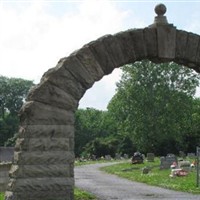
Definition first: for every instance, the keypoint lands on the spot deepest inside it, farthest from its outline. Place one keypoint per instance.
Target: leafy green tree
(102, 146)
(91, 123)
(153, 105)
(12, 95)
(192, 138)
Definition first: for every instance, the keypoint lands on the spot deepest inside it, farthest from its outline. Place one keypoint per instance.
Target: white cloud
(33, 39)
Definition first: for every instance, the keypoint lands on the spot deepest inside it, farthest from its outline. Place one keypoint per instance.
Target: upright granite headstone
(166, 162)
(150, 157)
(191, 155)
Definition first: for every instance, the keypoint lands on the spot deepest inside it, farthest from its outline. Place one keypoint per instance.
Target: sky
(35, 34)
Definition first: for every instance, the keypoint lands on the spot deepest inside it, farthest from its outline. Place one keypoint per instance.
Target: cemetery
(42, 164)
(168, 171)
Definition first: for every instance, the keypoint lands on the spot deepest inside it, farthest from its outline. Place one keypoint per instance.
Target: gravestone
(191, 155)
(185, 165)
(125, 156)
(93, 157)
(166, 162)
(150, 157)
(137, 158)
(117, 156)
(108, 157)
(146, 170)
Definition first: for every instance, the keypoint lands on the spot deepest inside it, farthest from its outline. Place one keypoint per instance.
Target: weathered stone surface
(197, 66)
(34, 171)
(125, 41)
(48, 131)
(139, 44)
(35, 113)
(85, 56)
(114, 50)
(43, 144)
(198, 57)
(101, 55)
(66, 194)
(43, 158)
(71, 143)
(40, 184)
(73, 65)
(181, 45)
(63, 79)
(166, 42)
(192, 47)
(150, 37)
(48, 93)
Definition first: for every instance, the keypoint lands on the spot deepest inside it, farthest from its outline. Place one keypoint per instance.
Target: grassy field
(78, 194)
(155, 177)
(1, 196)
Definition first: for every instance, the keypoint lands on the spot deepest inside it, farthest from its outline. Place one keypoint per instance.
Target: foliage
(12, 95)
(192, 138)
(90, 124)
(153, 105)
(1, 196)
(101, 147)
(82, 195)
(156, 176)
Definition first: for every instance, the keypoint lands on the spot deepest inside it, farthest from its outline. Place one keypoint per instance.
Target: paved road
(111, 187)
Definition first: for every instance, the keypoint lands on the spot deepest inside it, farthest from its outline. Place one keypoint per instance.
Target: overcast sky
(34, 35)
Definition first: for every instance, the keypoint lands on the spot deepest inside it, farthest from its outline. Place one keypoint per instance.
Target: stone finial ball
(160, 9)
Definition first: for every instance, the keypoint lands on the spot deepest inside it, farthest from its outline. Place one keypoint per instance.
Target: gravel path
(110, 187)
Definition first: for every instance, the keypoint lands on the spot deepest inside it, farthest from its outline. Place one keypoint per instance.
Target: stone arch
(44, 153)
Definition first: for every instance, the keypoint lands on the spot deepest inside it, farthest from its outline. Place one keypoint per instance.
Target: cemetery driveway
(109, 187)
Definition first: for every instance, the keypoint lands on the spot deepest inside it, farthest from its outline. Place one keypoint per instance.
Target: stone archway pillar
(166, 35)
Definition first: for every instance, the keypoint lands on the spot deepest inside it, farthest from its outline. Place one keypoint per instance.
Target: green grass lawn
(155, 177)
(1, 196)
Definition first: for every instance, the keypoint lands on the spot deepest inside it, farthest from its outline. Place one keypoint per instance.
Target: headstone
(93, 157)
(137, 158)
(145, 170)
(150, 157)
(191, 155)
(108, 157)
(166, 162)
(125, 156)
(185, 165)
(117, 156)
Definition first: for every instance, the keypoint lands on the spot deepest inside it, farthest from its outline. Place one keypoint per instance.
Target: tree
(153, 105)
(12, 95)
(90, 124)
(192, 137)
